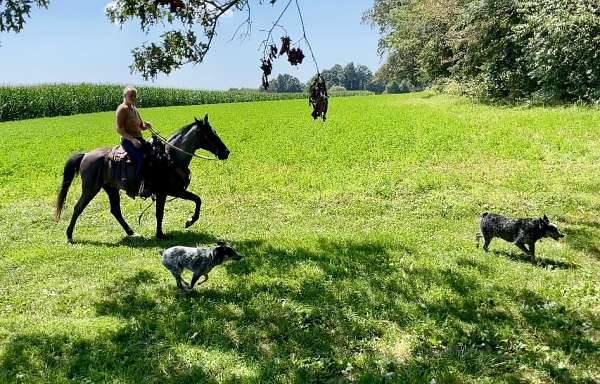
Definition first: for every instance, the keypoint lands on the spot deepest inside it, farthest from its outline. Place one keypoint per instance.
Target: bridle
(165, 142)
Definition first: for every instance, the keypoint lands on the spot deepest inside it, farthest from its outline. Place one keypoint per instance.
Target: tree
(496, 48)
(392, 87)
(363, 76)
(350, 77)
(192, 26)
(334, 76)
(351, 82)
(376, 85)
(178, 46)
(285, 83)
(14, 12)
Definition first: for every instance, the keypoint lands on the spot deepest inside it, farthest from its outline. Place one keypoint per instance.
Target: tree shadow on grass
(584, 238)
(312, 315)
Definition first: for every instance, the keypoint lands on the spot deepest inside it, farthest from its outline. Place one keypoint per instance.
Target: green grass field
(358, 236)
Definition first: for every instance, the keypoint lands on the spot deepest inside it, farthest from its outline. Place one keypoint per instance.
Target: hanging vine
(318, 97)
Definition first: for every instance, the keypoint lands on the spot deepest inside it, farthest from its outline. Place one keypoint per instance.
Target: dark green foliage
(515, 49)
(14, 12)
(392, 87)
(285, 83)
(352, 77)
(191, 26)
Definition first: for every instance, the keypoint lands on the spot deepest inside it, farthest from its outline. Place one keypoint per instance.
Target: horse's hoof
(162, 236)
(70, 241)
(189, 223)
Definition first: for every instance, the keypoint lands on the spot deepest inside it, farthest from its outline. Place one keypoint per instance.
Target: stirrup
(144, 192)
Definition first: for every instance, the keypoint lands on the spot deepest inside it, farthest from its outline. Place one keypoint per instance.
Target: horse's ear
(206, 119)
(196, 119)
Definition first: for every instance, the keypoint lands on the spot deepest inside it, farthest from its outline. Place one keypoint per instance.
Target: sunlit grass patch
(358, 237)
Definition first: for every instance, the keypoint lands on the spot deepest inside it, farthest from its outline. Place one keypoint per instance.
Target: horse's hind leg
(84, 200)
(115, 208)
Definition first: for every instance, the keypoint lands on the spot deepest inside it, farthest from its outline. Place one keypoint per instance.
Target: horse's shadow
(173, 238)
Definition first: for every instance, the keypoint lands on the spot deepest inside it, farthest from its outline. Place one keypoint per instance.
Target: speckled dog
(522, 232)
(199, 260)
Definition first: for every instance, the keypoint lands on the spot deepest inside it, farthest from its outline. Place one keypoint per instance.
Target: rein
(158, 135)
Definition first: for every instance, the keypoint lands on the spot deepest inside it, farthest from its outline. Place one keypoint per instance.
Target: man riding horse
(104, 168)
(130, 126)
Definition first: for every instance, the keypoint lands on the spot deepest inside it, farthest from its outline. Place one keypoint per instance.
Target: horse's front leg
(160, 211)
(186, 195)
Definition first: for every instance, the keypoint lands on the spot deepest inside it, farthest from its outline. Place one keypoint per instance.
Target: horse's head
(208, 139)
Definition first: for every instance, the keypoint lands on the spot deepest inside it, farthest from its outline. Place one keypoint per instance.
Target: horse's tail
(71, 169)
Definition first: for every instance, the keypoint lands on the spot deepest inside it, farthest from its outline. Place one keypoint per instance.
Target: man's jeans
(136, 154)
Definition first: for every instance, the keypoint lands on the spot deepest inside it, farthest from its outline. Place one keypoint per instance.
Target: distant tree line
(511, 49)
(341, 78)
(359, 77)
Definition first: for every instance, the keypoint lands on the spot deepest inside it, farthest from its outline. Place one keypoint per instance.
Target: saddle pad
(118, 154)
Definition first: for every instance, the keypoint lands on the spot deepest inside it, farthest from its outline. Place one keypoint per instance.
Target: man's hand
(147, 125)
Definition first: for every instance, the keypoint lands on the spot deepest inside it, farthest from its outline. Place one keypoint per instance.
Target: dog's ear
(546, 219)
(221, 242)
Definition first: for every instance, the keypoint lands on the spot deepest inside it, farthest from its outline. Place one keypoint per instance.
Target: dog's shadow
(539, 262)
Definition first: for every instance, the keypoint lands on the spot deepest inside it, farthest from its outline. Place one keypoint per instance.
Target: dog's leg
(521, 245)
(486, 244)
(195, 279)
(532, 252)
(181, 284)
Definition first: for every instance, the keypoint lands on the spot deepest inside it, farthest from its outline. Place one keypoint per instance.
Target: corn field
(27, 102)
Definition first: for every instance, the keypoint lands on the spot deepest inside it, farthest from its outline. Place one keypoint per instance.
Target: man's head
(129, 95)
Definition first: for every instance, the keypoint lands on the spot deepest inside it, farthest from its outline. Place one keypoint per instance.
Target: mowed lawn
(358, 237)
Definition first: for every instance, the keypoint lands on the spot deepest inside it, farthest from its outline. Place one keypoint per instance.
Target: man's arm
(143, 124)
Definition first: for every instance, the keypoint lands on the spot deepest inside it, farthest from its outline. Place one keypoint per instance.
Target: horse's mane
(182, 131)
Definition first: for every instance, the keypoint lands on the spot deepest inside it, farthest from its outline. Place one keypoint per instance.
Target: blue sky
(73, 41)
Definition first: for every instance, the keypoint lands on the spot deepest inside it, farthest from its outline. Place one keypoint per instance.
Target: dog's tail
(71, 168)
(478, 236)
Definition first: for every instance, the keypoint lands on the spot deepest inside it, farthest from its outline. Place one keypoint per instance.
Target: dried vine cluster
(295, 57)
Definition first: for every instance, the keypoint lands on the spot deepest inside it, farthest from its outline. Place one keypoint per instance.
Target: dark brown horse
(95, 175)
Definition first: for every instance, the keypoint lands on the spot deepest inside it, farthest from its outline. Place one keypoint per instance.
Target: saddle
(121, 168)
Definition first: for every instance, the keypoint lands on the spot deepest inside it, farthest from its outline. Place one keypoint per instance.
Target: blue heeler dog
(199, 260)
(523, 232)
